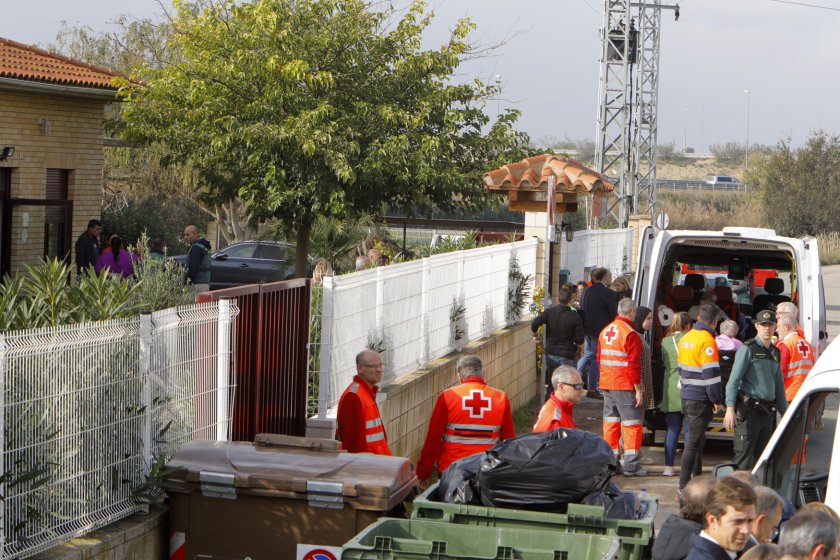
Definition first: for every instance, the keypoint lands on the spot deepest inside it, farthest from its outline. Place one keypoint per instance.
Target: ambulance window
(804, 479)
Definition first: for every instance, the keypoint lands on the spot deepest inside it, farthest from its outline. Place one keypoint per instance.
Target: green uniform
(755, 386)
(671, 401)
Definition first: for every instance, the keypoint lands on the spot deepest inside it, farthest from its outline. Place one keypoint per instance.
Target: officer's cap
(766, 316)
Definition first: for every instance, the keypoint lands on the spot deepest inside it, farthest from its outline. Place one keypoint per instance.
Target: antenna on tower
(628, 98)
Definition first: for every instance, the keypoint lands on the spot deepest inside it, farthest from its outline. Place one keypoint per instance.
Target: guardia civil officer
(755, 392)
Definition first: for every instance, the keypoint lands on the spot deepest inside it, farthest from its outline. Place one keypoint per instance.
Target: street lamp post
(685, 130)
(747, 149)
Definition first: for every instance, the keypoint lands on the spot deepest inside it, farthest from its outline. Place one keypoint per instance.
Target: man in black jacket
(673, 540)
(87, 247)
(564, 332)
(730, 512)
(599, 306)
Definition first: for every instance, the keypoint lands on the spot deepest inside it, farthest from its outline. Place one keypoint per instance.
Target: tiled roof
(25, 62)
(532, 174)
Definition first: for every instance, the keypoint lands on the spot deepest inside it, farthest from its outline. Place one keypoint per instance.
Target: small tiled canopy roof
(25, 62)
(526, 182)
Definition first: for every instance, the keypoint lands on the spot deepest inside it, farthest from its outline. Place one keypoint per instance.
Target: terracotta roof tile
(25, 62)
(532, 174)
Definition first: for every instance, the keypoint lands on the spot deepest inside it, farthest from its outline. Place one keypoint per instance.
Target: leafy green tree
(800, 188)
(142, 175)
(331, 108)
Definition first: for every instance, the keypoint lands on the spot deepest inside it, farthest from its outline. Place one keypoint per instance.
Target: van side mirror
(724, 470)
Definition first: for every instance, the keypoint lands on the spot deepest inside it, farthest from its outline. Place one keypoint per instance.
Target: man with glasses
(796, 354)
(467, 419)
(558, 409)
(789, 309)
(360, 428)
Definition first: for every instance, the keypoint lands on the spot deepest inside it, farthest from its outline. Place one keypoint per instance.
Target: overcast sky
(785, 54)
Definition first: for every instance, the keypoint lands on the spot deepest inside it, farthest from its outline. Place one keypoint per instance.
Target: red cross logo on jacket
(476, 404)
(803, 348)
(611, 333)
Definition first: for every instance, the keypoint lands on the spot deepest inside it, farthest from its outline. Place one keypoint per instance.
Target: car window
(240, 250)
(273, 252)
(802, 477)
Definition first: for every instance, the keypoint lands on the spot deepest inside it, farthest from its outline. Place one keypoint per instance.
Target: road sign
(315, 552)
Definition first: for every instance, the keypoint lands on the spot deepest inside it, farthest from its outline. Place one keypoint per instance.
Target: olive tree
(307, 108)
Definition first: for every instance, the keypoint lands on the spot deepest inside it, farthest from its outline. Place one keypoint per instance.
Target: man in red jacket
(360, 427)
(467, 419)
(620, 361)
(557, 410)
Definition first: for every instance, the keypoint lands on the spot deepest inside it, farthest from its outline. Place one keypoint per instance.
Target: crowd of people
(596, 346)
(115, 257)
(706, 369)
(734, 517)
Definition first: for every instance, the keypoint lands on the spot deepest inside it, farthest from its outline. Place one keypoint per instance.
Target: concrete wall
(139, 537)
(509, 363)
(51, 132)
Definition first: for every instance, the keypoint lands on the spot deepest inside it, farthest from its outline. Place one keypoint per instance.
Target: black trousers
(698, 414)
(752, 432)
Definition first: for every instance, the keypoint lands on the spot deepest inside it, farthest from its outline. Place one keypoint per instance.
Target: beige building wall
(51, 132)
(406, 405)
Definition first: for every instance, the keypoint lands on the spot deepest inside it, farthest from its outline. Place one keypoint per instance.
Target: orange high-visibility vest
(474, 421)
(615, 359)
(554, 414)
(801, 362)
(375, 438)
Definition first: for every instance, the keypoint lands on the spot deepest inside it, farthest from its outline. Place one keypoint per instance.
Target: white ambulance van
(748, 269)
(810, 423)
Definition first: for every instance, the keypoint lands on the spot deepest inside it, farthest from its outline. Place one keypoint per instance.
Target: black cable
(806, 5)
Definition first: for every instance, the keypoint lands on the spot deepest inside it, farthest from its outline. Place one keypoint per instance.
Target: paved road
(589, 413)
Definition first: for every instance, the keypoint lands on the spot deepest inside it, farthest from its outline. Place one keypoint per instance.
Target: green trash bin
(414, 539)
(635, 535)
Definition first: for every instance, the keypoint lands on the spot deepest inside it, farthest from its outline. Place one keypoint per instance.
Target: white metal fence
(609, 248)
(417, 311)
(90, 410)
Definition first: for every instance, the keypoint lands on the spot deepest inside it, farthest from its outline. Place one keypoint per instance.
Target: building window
(55, 217)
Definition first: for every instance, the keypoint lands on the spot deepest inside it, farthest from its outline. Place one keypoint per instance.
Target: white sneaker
(669, 471)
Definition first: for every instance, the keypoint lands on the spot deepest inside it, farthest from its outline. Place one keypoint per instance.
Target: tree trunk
(302, 251)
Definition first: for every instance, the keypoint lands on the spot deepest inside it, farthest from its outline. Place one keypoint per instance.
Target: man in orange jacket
(797, 355)
(360, 427)
(558, 409)
(467, 419)
(620, 362)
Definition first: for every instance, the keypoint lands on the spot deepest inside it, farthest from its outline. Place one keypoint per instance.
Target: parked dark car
(249, 262)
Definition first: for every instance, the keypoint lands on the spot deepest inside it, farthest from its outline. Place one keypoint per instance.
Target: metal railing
(271, 358)
(90, 410)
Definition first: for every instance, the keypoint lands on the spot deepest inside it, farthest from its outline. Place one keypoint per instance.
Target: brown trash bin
(238, 499)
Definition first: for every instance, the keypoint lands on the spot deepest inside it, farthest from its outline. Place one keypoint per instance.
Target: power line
(591, 7)
(806, 5)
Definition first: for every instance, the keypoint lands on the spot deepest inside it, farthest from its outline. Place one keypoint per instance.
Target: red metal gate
(271, 357)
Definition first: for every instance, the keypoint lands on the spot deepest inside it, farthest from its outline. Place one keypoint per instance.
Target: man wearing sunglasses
(557, 410)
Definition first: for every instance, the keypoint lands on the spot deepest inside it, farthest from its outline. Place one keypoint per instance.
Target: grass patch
(829, 244)
(526, 415)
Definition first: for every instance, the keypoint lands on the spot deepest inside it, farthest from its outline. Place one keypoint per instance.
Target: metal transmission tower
(628, 104)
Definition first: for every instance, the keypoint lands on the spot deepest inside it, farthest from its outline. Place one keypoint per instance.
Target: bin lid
(362, 480)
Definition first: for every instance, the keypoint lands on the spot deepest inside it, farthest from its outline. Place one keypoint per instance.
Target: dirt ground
(589, 415)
